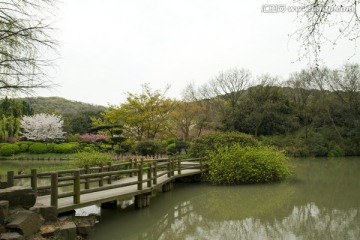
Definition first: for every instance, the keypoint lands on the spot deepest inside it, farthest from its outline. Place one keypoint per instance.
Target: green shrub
(238, 164)
(8, 149)
(89, 147)
(92, 158)
(336, 151)
(66, 148)
(205, 143)
(24, 145)
(149, 148)
(38, 148)
(51, 147)
(127, 146)
(176, 147)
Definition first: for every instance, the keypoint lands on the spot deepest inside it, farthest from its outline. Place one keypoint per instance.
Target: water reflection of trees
(304, 222)
(183, 221)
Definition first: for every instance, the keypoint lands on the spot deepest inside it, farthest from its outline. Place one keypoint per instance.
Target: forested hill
(60, 105)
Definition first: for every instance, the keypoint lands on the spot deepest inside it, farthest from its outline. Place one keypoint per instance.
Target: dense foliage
(313, 113)
(252, 164)
(201, 145)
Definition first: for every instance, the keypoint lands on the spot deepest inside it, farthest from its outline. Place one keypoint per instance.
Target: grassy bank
(45, 156)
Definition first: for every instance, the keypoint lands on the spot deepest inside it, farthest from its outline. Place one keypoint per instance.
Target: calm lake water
(321, 201)
(27, 165)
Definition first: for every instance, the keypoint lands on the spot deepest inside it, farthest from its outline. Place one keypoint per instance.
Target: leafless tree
(345, 82)
(317, 17)
(225, 91)
(25, 42)
(230, 85)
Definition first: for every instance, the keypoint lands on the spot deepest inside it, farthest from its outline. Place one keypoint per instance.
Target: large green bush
(209, 142)
(8, 149)
(65, 148)
(38, 148)
(238, 164)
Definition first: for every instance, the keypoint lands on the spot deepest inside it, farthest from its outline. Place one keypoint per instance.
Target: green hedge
(7, 149)
(201, 145)
(38, 148)
(50, 147)
(65, 148)
(239, 165)
(24, 145)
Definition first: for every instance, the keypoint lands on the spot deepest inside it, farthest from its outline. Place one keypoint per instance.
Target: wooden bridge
(76, 188)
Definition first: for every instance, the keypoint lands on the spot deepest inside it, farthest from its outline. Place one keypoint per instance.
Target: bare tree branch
(25, 34)
(317, 17)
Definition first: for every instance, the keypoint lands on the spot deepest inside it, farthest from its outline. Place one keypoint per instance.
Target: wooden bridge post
(54, 189)
(140, 177)
(155, 173)
(101, 181)
(201, 164)
(10, 178)
(135, 164)
(131, 167)
(76, 187)
(179, 166)
(169, 168)
(172, 167)
(110, 177)
(87, 180)
(149, 180)
(34, 181)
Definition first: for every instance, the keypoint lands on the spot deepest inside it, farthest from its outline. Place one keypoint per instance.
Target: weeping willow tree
(25, 37)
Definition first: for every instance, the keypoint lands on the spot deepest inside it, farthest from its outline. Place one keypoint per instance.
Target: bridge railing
(147, 171)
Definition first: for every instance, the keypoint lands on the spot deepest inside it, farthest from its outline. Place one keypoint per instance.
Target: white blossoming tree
(42, 127)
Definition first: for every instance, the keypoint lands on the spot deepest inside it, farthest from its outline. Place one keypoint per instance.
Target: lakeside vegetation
(313, 113)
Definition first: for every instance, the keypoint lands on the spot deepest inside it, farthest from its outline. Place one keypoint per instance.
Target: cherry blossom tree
(42, 127)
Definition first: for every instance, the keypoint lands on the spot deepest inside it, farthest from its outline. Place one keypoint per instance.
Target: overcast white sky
(111, 47)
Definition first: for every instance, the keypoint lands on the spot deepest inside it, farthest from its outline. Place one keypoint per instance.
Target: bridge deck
(121, 193)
